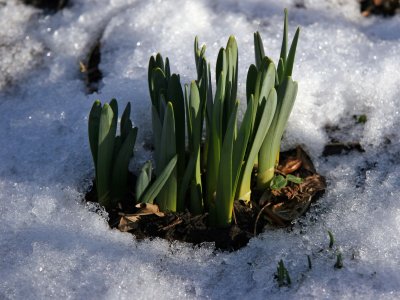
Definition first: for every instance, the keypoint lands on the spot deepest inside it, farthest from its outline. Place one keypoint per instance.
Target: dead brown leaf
(149, 209)
(130, 221)
(290, 165)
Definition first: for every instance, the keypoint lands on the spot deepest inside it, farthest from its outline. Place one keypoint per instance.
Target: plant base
(277, 207)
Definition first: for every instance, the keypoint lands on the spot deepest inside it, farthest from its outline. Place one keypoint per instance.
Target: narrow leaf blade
(107, 132)
(143, 180)
(154, 189)
(93, 129)
(119, 179)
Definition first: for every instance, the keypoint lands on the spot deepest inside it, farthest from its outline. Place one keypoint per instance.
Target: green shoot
(331, 239)
(287, 91)
(167, 198)
(339, 261)
(166, 90)
(146, 192)
(111, 154)
(361, 119)
(282, 275)
(213, 172)
(280, 181)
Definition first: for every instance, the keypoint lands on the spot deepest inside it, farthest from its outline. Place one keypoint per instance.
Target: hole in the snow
(90, 68)
(379, 7)
(50, 6)
(345, 136)
(278, 207)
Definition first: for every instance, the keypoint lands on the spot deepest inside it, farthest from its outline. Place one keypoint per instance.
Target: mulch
(277, 207)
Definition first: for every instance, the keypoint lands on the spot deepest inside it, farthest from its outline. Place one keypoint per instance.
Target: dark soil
(193, 229)
(379, 7)
(279, 208)
(90, 68)
(341, 148)
(346, 136)
(185, 226)
(49, 6)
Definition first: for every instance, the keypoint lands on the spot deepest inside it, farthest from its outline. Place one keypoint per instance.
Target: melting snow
(53, 246)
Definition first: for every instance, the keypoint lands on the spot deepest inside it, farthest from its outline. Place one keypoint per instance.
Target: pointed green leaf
(215, 142)
(196, 190)
(157, 132)
(143, 180)
(154, 189)
(232, 57)
(224, 195)
(160, 62)
(258, 49)
(195, 114)
(167, 198)
(192, 176)
(93, 129)
(107, 132)
(196, 51)
(286, 97)
(267, 109)
(270, 149)
(196, 197)
(251, 81)
(221, 66)
(241, 144)
(264, 84)
(188, 176)
(175, 96)
(331, 239)
(280, 73)
(114, 107)
(167, 69)
(209, 104)
(117, 147)
(152, 65)
(285, 38)
(159, 84)
(189, 125)
(268, 82)
(292, 52)
(126, 123)
(119, 179)
(199, 56)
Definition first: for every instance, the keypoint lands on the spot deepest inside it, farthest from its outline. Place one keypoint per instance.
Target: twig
(173, 224)
(258, 217)
(234, 215)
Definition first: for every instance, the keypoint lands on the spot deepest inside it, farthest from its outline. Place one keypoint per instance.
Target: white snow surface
(53, 245)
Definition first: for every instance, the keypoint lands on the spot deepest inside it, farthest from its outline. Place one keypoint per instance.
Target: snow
(52, 245)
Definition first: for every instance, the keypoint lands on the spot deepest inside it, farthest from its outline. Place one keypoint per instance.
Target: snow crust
(52, 245)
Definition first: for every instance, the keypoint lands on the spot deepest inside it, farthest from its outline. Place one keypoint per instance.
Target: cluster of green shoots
(204, 157)
(282, 273)
(111, 155)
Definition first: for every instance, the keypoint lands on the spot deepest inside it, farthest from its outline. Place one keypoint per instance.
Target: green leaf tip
(111, 153)
(339, 261)
(282, 275)
(214, 174)
(331, 239)
(153, 190)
